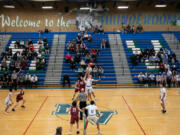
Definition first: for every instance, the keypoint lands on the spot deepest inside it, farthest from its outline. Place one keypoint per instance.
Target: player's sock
(84, 132)
(96, 99)
(13, 110)
(99, 133)
(69, 133)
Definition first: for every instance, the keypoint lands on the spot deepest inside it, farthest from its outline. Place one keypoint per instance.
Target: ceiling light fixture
(47, 7)
(123, 7)
(9, 6)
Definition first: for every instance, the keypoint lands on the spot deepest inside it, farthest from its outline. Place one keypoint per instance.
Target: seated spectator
(89, 68)
(46, 47)
(80, 71)
(46, 30)
(100, 71)
(24, 64)
(77, 58)
(141, 78)
(31, 47)
(139, 28)
(103, 43)
(83, 64)
(164, 79)
(45, 40)
(151, 79)
(92, 51)
(68, 45)
(85, 36)
(87, 58)
(66, 79)
(68, 58)
(4, 65)
(158, 80)
(100, 30)
(21, 80)
(28, 80)
(161, 67)
(73, 64)
(34, 80)
(95, 71)
(133, 29)
(89, 38)
(173, 60)
(169, 78)
(79, 39)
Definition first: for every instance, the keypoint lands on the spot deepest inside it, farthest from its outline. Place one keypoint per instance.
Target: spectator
(4, 64)
(151, 79)
(88, 58)
(89, 38)
(73, 64)
(95, 71)
(66, 79)
(28, 80)
(139, 28)
(103, 43)
(92, 51)
(86, 36)
(158, 80)
(21, 80)
(141, 78)
(68, 58)
(14, 78)
(34, 80)
(100, 71)
(83, 64)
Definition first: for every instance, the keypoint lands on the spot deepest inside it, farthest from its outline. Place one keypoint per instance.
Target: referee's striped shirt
(82, 97)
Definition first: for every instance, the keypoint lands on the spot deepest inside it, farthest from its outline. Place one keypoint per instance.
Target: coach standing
(82, 97)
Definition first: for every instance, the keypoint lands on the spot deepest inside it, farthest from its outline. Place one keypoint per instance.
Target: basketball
(91, 64)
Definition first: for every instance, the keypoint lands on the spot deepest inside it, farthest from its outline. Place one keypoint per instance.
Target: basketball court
(124, 111)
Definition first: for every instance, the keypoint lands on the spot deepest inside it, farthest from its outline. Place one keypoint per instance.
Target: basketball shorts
(89, 89)
(92, 118)
(74, 119)
(7, 102)
(76, 90)
(163, 101)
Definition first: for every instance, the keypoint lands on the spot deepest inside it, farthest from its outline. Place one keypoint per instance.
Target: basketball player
(82, 97)
(8, 100)
(92, 111)
(74, 110)
(89, 88)
(163, 97)
(80, 85)
(19, 97)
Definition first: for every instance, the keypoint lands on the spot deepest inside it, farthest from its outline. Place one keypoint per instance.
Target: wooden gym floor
(138, 112)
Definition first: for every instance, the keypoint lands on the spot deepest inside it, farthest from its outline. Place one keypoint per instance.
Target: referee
(82, 97)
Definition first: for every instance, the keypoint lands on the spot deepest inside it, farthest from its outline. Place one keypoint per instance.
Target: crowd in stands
(15, 59)
(128, 29)
(160, 60)
(84, 57)
(18, 79)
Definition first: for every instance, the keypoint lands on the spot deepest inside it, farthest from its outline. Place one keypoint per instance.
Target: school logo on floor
(106, 113)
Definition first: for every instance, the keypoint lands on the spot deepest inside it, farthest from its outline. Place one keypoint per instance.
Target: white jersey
(7, 100)
(91, 110)
(89, 82)
(162, 91)
(9, 96)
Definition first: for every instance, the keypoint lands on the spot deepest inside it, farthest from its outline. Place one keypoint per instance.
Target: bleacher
(104, 59)
(133, 43)
(31, 64)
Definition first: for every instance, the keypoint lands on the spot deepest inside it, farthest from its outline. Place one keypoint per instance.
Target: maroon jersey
(74, 114)
(20, 96)
(81, 84)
